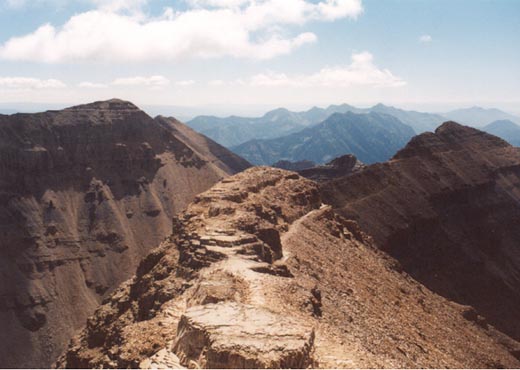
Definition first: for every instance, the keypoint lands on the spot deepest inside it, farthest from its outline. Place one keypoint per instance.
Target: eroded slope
(85, 193)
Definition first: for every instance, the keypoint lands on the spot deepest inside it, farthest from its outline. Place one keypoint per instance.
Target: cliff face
(447, 208)
(258, 272)
(85, 193)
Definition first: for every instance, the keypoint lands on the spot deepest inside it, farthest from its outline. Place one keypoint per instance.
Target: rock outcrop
(294, 166)
(258, 272)
(338, 167)
(85, 193)
(447, 208)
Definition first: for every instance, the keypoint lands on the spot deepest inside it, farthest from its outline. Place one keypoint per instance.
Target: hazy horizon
(185, 113)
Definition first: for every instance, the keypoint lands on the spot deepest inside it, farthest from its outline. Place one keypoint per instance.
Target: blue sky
(231, 55)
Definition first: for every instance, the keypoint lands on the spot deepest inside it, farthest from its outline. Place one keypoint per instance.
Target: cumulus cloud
(153, 81)
(207, 29)
(425, 39)
(29, 83)
(361, 71)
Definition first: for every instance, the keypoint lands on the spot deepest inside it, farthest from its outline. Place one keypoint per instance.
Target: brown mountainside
(259, 272)
(447, 207)
(85, 193)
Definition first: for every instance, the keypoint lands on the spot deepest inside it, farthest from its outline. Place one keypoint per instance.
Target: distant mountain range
(420, 122)
(506, 130)
(371, 137)
(479, 117)
(234, 130)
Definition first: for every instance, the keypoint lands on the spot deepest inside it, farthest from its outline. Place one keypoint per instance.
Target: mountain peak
(450, 126)
(277, 111)
(448, 137)
(111, 104)
(340, 106)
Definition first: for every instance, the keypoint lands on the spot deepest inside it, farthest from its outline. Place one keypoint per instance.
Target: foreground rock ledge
(233, 335)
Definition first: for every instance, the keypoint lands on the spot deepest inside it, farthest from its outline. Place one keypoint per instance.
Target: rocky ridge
(258, 272)
(204, 294)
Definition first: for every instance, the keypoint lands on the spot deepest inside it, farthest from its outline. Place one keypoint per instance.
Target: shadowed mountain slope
(85, 193)
(447, 208)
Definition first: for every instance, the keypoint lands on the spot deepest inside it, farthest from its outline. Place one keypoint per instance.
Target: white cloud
(29, 83)
(336, 9)
(425, 39)
(153, 81)
(92, 85)
(208, 29)
(293, 11)
(360, 72)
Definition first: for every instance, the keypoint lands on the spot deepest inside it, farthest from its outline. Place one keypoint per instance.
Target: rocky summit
(270, 269)
(85, 193)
